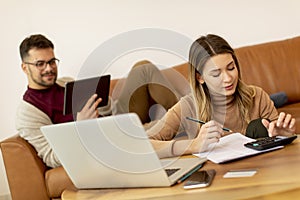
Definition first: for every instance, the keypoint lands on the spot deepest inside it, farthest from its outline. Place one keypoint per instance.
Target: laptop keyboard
(171, 171)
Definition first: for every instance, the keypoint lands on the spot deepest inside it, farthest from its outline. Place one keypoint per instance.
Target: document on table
(231, 147)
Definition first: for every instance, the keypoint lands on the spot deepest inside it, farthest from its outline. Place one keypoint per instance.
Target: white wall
(78, 27)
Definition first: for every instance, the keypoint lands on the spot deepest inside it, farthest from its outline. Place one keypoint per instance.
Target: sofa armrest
(25, 170)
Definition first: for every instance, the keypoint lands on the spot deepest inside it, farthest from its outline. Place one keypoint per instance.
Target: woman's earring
(199, 78)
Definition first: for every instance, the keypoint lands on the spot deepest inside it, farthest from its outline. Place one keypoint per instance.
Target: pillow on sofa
(279, 99)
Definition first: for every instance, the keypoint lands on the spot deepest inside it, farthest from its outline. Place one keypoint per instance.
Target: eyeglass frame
(43, 64)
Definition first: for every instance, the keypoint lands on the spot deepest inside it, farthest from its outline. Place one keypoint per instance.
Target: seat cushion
(57, 181)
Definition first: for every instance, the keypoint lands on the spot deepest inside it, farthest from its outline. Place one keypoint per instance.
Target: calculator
(270, 142)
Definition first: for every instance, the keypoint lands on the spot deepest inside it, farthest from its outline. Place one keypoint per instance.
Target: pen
(202, 122)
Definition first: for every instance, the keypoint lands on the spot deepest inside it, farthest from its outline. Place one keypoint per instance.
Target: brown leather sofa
(28, 177)
(275, 66)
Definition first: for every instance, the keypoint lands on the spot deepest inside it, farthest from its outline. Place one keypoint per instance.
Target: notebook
(231, 148)
(114, 152)
(78, 92)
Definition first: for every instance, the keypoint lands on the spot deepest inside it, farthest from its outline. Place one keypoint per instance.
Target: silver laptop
(114, 152)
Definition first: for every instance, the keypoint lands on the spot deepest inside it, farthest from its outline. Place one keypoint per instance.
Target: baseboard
(5, 197)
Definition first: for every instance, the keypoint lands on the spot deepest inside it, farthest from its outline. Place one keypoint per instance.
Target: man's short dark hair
(34, 41)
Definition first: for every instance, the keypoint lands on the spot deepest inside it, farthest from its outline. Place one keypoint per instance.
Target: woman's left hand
(284, 125)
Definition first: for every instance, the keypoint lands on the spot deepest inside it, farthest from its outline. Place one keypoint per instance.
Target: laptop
(78, 92)
(114, 152)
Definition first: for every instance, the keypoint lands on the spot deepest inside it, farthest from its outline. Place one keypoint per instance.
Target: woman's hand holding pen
(284, 125)
(209, 133)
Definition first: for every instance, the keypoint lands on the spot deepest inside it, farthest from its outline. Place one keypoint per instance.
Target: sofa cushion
(57, 181)
(274, 66)
(279, 99)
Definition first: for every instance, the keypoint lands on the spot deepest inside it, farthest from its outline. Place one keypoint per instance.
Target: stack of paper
(231, 147)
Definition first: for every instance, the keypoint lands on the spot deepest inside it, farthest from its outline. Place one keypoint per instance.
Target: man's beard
(41, 82)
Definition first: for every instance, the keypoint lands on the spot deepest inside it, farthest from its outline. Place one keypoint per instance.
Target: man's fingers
(90, 102)
(97, 102)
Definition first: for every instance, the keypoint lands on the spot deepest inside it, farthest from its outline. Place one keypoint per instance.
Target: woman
(221, 99)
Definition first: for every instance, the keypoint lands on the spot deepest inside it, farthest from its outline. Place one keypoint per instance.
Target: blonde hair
(201, 50)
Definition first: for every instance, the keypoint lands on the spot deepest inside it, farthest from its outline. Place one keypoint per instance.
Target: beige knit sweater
(164, 132)
(29, 119)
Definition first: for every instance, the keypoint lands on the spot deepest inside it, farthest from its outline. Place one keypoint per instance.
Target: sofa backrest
(274, 66)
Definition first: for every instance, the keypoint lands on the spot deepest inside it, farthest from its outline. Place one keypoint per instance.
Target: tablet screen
(78, 92)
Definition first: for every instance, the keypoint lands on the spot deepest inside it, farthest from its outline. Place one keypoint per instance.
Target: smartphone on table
(199, 179)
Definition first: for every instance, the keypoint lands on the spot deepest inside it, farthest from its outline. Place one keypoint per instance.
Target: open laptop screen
(79, 91)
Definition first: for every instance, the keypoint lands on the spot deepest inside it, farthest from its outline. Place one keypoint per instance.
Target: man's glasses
(41, 64)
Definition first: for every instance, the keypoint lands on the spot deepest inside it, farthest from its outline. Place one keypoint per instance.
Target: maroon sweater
(50, 101)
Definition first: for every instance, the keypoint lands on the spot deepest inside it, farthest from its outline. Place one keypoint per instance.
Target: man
(42, 103)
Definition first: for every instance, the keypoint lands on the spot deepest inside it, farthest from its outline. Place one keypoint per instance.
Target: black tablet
(79, 91)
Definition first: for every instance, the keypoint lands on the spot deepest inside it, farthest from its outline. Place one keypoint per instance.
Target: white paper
(231, 147)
